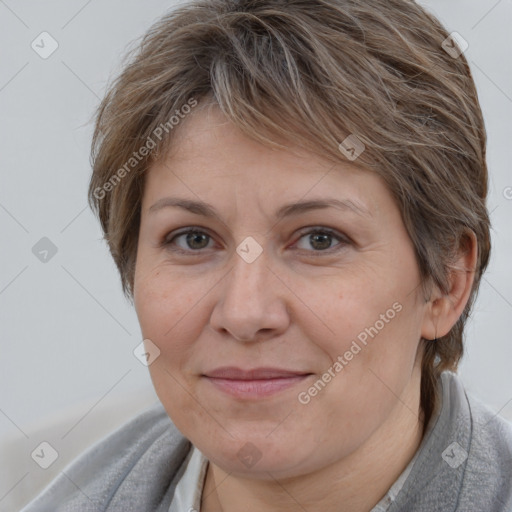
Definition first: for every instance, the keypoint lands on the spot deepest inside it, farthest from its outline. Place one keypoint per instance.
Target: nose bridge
(247, 278)
(248, 302)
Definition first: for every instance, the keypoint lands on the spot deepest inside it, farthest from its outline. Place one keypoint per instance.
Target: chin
(257, 455)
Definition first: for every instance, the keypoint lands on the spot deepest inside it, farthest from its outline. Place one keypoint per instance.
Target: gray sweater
(464, 464)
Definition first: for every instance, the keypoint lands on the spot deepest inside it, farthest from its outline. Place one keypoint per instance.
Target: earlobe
(445, 309)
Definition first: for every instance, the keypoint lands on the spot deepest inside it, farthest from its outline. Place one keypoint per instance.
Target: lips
(255, 383)
(233, 373)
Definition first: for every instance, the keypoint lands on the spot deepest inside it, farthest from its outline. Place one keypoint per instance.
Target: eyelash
(169, 242)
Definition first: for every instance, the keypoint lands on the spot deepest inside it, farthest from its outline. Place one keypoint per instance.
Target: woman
(294, 194)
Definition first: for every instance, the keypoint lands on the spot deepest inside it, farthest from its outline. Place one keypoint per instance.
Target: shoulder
(464, 461)
(480, 453)
(133, 468)
(489, 466)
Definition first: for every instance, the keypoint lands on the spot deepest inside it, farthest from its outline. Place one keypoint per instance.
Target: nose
(251, 304)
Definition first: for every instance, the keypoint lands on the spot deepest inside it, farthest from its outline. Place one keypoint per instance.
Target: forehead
(207, 131)
(210, 157)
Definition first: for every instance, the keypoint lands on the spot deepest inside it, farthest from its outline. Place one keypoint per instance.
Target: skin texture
(298, 306)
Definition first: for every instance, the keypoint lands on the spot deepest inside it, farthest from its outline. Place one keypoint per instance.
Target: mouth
(254, 383)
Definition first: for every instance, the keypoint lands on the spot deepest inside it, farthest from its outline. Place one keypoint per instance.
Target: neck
(356, 483)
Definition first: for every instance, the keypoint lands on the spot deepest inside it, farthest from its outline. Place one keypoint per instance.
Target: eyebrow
(288, 210)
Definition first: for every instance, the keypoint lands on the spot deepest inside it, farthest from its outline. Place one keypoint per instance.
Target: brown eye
(188, 241)
(196, 240)
(320, 240)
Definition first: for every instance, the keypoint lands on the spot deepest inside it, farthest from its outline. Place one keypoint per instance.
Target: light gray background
(68, 374)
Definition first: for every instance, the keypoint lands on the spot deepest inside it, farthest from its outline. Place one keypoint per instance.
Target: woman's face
(288, 325)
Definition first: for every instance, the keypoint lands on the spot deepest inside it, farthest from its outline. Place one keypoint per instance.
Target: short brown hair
(312, 72)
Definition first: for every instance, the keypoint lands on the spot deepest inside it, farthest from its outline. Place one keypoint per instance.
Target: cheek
(169, 314)
(375, 323)
(348, 307)
(169, 317)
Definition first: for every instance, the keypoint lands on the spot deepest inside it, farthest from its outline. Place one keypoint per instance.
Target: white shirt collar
(187, 496)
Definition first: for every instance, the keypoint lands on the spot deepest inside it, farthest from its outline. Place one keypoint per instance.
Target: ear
(443, 310)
